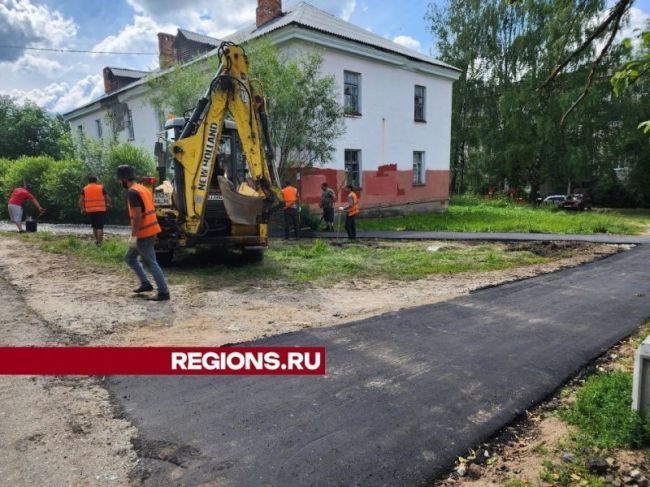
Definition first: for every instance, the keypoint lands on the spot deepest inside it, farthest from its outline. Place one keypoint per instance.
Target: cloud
(199, 15)
(636, 20)
(26, 24)
(348, 9)
(408, 41)
(139, 36)
(61, 97)
(39, 65)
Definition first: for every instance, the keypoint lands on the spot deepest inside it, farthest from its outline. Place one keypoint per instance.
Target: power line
(81, 51)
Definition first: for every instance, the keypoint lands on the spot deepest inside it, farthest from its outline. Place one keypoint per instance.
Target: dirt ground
(63, 431)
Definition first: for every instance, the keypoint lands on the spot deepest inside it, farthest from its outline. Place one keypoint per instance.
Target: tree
(28, 130)
(505, 129)
(305, 116)
(635, 71)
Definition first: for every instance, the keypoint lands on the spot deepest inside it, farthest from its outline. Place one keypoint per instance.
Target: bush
(62, 186)
(29, 170)
(308, 218)
(139, 159)
(603, 411)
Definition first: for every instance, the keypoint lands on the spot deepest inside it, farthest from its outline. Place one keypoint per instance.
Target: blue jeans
(147, 253)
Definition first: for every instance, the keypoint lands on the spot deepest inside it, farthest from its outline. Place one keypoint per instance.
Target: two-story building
(397, 101)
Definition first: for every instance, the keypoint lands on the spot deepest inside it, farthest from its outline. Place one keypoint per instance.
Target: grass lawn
(309, 261)
(473, 214)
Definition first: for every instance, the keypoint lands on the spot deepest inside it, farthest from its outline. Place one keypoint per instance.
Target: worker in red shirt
(16, 202)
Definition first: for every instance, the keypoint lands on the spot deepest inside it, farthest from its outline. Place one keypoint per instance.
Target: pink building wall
(385, 187)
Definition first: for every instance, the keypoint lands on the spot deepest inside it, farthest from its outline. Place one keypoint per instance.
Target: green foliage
(139, 159)
(308, 218)
(30, 170)
(28, 130)
(505, 130)
(603, 411)
(305, 117)
(57, 184)
(474, 214)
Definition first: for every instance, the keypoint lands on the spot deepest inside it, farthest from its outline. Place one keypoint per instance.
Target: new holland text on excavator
(221, 185)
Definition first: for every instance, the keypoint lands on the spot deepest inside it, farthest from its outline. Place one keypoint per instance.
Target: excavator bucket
(241, 209)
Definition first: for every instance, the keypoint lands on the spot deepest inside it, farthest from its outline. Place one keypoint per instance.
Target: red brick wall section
(166, 50)
(109, 85)
(267, 10)
(386, 186)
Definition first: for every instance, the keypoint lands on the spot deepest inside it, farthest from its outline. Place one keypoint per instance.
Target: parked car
(554, 199)
(578, 202)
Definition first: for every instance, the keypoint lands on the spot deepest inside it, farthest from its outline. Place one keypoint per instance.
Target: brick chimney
(109, 81)
(267, 10)
(166, 50)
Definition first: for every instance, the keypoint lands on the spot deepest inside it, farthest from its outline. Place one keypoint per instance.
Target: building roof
(200, 38)
(302, 14)
(127, 73)
(306, 15)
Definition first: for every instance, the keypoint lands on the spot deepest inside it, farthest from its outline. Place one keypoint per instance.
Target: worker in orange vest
(352, 210)
(93, 202)
(291, 208)
(144, 228)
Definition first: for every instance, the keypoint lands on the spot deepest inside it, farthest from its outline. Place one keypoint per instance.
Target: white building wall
(386, 132)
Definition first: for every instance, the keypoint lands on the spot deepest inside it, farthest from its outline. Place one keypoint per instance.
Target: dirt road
(64, 431)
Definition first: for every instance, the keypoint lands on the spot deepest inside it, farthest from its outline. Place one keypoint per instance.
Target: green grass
(472, 214)
(603, 413)
(310, 261)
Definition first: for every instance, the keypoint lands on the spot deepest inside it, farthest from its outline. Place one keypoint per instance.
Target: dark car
(578, 202)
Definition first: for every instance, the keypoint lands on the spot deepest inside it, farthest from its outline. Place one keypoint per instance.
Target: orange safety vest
(354, 208)
(290, 195)
(149, 224)
(94, 200)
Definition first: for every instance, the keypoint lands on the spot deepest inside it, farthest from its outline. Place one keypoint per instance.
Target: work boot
(143, 288)
(160, 297)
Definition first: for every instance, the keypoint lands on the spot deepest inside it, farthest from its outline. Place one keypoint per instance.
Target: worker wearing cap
(352, 210)
(15, 205)
(291, 205)
(144, 228)
(93, 202)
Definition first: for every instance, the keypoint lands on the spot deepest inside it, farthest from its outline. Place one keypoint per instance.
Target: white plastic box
(641, 385)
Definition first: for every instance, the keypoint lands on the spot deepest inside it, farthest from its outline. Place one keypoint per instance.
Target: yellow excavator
(222, 184)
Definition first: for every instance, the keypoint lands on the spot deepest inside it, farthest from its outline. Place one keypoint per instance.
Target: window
(98, 127)
(129, 124)
(353, 167)
(418, 168)
(80, 131)
(420, 99)
(352, 92)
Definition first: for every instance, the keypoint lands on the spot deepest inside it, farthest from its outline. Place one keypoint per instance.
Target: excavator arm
(230, 92)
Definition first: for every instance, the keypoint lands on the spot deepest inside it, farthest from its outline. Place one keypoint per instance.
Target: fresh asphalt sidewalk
(405, 393)
(80, 229)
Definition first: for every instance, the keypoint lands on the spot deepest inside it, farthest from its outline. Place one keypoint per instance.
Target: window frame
(423, 118)
(98, 128)
(129, 124)
(421, 179)
(358, 179)
(353, 111)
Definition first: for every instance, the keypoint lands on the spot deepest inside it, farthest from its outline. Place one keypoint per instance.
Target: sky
(61, 82)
